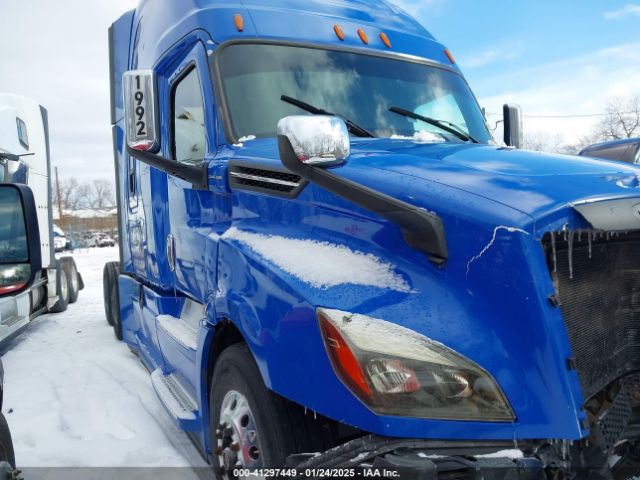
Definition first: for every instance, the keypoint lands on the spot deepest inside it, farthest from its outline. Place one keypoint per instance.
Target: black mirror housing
(20, 254)
(513, 131)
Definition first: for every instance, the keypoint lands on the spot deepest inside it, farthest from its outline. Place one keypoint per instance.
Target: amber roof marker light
(239, 21)
(363, 36)
(385, 39)
(339, 33)
(449, 56)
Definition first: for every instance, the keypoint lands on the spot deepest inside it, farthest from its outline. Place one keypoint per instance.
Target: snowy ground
(76, 397)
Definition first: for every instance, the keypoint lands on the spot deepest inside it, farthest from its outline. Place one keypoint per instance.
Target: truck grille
(597, 277)
(614, 421)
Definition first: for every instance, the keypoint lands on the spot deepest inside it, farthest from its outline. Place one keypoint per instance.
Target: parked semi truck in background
(24, 160)
(624, 150)
(321, 245)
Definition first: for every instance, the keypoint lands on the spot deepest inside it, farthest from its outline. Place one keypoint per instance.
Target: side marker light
(239, 21)
(363, 36)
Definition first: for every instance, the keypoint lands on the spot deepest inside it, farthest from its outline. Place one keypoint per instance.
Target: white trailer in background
(25, 159)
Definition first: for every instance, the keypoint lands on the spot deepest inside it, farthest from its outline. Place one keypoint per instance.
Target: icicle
(579, 235)
(589, 235)
(553, 249)
(571, 256)
(608, 236)
(564, 229)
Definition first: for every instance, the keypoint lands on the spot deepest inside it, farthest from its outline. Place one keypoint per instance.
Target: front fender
(275, 312)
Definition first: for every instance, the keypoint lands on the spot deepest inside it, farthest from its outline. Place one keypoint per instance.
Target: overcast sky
(552, 57)
(57, 53)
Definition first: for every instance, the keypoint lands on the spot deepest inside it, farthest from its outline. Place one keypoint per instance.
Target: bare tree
(69, 198)
(543, 142)
(84, 195)
(75, 195)
(101, 194)
(622, 120)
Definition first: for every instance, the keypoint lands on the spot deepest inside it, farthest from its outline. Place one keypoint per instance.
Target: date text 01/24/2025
(318, 473)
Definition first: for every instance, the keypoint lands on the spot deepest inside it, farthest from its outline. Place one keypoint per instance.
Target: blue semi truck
(327, 261)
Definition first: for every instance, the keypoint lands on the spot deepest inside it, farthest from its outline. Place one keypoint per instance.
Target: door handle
(171, 252)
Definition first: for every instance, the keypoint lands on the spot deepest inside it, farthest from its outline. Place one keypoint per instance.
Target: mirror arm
(197, 175)
(421, 229)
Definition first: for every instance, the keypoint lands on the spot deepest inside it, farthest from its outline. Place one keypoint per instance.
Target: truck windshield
(13, 235)
(356, 86)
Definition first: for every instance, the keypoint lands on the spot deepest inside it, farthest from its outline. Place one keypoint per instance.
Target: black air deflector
(257, 178)
(421, 229)
(597, 276)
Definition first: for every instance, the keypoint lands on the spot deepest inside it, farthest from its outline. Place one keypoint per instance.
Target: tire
(279, 425)
(115, 311)
(111, 296)
(6, 444)
(73, 280)
(106, 291)
(62, 285)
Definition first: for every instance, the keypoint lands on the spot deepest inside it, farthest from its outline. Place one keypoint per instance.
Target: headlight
(397, 371)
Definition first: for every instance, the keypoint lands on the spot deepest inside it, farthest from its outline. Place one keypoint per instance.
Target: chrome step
(175, 399)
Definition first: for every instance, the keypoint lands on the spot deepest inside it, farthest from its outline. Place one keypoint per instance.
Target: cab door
(192, 258)
(193, 141)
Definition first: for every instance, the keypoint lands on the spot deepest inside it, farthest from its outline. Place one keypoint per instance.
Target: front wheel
(110, 276)
(251, 426)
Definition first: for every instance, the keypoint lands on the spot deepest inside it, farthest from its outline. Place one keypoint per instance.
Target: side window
(616, 152)
(22, 133)
(189, 139)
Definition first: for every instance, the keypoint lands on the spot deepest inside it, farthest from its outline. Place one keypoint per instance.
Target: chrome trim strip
(257, 178)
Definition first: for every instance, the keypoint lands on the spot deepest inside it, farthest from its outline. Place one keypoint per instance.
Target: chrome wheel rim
(237, 439)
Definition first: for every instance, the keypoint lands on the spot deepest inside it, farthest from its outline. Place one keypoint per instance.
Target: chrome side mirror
(142, 122)
(316, 140)
(513, 132)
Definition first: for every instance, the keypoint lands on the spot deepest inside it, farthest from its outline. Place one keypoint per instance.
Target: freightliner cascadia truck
(24, 160)
(327, 263)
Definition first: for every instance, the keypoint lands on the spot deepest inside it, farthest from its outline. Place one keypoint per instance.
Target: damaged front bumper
(380, 457)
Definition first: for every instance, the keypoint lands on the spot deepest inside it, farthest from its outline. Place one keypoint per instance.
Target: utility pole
(58, 196)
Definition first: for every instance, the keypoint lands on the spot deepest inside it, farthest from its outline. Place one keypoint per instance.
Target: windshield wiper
(452, 128)
(353, 127)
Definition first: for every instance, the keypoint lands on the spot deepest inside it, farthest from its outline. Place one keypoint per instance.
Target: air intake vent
(279, 182)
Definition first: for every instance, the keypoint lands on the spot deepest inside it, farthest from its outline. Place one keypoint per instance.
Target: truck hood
(532, 183)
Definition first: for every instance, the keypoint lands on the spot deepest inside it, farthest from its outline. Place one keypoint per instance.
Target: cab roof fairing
(163, 23)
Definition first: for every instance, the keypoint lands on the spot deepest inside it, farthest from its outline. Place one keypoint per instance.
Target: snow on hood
(422, 136)
(321, 264)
